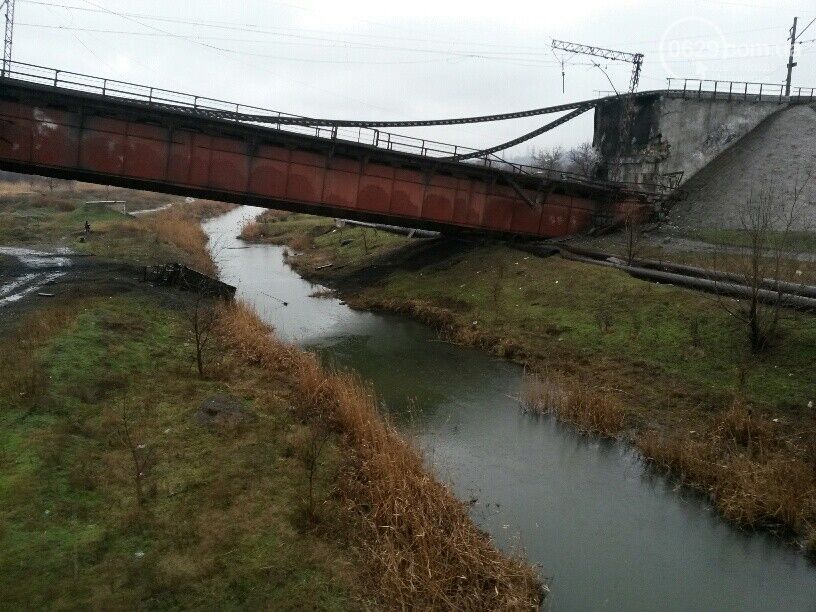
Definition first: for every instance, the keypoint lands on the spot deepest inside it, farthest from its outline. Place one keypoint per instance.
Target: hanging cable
(525, 137)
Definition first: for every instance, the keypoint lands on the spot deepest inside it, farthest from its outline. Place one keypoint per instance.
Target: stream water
(608, 534)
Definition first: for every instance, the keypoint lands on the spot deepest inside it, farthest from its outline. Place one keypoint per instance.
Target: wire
(806, 28)
(598, 66)
(464, 54)
(216, 48)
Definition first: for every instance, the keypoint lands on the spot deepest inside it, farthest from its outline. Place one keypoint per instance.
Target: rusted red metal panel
(461, 202)
(526, 218)
(407, 193)
(498, 209)
(478, 198)
(269, 177)
(229, 171)
(406, 199)
(555, 215)
(53, 141)
(341, 188)
(102, 145)
(305, 183)
(147, 150)
(16, 143)
(181, 155)
(374, 193)
(198, 172)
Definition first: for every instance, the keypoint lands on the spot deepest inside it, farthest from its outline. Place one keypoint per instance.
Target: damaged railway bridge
(60, 124)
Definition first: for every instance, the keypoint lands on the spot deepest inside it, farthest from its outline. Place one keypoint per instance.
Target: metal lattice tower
(9, 32)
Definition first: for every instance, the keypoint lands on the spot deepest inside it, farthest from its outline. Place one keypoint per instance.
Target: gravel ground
(781, 151)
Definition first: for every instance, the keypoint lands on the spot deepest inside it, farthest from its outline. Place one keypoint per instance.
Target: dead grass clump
(419, 546)
(591, 411)
(302, 241)
(754, 474)
(739, 426)
(252, 231)
(183, 231)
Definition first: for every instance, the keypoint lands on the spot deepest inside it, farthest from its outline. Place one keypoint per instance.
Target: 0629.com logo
(694, 46)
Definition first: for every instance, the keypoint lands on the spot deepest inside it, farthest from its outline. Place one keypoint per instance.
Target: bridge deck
(96, 137)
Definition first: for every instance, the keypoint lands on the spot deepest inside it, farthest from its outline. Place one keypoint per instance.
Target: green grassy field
(797, 242)
(222, 522)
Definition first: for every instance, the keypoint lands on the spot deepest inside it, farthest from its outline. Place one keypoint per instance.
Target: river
(607, 533)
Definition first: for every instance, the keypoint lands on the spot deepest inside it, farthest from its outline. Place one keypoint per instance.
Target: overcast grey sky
(413, 58)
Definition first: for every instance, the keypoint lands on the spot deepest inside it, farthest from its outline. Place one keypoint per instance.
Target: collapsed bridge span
(71, 126)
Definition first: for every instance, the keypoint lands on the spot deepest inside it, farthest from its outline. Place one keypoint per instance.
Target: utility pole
(791, 63)
(794, 40)
(7, 39)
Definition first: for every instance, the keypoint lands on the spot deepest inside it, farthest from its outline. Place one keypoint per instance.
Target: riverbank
(129, 480)
(670, 367)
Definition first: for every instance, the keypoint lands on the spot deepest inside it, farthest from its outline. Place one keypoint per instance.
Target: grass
(56, 218)
(613, 356)
(800, 242)
(221, 525)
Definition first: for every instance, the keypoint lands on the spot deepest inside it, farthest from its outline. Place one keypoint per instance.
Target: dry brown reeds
(183, 231)
(591, 411)
(419, 546)
(754, 474)
(302, 241)
(252, 231)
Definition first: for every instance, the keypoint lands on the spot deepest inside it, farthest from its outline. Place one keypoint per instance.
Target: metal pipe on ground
(702, 273)
(394, 229)
(721, 288)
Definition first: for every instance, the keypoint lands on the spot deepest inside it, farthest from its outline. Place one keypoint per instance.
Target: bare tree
(583, 160)
(549, 159)
(768, 220)
(633, 230)
(318, 436)
(202, 317)
(142, 456)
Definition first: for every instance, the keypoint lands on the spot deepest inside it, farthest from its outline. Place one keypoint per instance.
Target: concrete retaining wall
(673, 134)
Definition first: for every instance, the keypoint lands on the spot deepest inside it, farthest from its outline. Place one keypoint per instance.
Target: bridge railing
(713, 89)
(195, 105)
